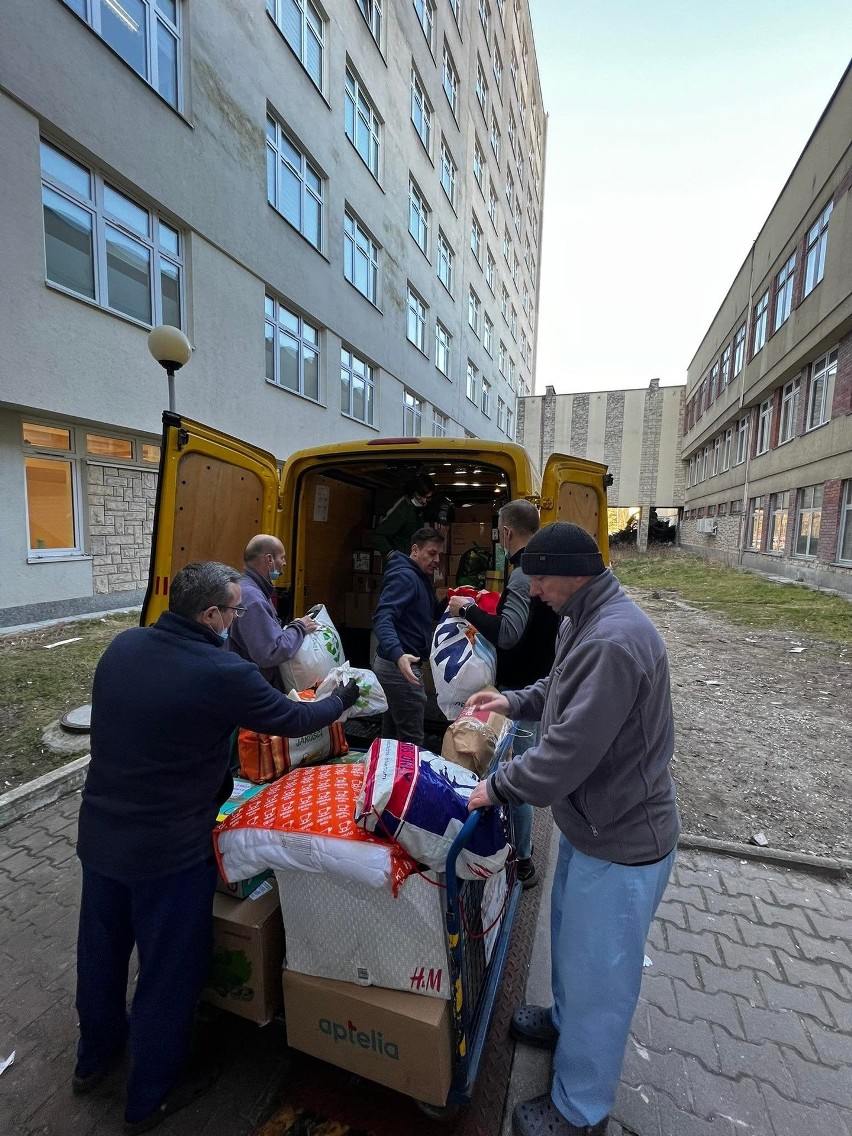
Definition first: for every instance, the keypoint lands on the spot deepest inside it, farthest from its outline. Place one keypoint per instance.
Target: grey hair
(520, 515)
(207, 583)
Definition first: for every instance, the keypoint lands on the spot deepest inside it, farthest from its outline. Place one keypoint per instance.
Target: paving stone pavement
(744, 1027)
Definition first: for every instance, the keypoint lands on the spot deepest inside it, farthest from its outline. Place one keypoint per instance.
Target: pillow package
(419, 800)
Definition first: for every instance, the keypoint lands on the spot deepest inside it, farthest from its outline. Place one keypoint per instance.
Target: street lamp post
(170, 347)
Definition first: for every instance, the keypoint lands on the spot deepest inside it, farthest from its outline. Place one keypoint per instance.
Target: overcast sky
(673, 125)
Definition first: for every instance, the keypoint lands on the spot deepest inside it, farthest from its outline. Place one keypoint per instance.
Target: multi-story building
(340, 205)
(768, 413)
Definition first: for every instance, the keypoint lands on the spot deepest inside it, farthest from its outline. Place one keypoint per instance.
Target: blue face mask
(223, 634)
(273, 575)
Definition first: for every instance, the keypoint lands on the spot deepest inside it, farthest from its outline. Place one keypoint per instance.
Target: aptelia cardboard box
(365, 935)
(248, 952)
(401, 1040)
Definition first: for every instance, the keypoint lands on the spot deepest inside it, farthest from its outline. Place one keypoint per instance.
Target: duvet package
(419, 800)
(306, 821)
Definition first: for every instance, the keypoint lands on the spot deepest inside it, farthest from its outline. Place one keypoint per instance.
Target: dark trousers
(170, 920)
(403, 719)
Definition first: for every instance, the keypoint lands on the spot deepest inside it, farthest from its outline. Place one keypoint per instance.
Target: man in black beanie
(607, 738)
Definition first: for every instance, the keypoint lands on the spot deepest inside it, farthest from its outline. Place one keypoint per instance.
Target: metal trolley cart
(477, 952)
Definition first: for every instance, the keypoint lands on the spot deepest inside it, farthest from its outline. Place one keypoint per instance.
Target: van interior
(336, 509)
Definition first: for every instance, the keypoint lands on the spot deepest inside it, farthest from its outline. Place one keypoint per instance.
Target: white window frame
(285, 155)
(494, 135)
(449, 173)
(419, 215)
(490, 266)
(481, 88)
(443, 349)
(366, 126)
(497, 68)
(779, 519)
(485, 17)
(353, 371)
(726, 367)
(360, 251)
(155, 20)
(421, 112)
(416, 317)
(472, 383)
(742, 440)
(450, 83)
(478, 165)
(784, 292)
(425, 10)
(485, 398)
(815, 251)
(311, 29)
(445, 261)
(756, 524)
(809, 502)
(488, 333)
(306, 338)
(64, 456)
(474, 313)
(510, 422)
(371, 10)
(162, 258)
(844, 525)
(739, 349)
(412, 415)
(501, 414)
(764, 427)
(717, 453)
(440, 423)
(476, 238)
(789, 411)
(820, 388)
(726, 449)
(492, 203)
(761, 316)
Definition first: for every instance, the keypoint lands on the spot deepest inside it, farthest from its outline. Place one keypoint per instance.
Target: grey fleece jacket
(607, 733)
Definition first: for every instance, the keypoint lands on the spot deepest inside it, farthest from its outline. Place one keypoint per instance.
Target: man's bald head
(265, 555)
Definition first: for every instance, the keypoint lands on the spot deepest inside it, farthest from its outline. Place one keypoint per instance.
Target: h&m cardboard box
(401, 1040)
(360, 934)
(248, 952)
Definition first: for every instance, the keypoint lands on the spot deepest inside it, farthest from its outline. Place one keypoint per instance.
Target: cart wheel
(444, 1113)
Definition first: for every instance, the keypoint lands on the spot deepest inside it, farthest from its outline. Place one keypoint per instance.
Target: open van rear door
(214, 493)
(573, 489)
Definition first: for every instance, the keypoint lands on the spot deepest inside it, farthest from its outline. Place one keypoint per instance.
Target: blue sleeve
(397, 594)
(259, 706)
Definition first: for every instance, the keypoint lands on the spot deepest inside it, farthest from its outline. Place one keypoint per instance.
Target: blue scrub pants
(170, 919)
(600, 917)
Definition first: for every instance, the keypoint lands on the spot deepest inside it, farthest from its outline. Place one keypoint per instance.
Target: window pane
(313, 221)
(128, 276)
(270, 351)
(290, 200)
(68, 244)
(169, 239)
(166, 64)
(50, 437)
(62, 169)
(170, 293)
(50, 503)
(271, 166)
(123, 27)
(169, 9)
(310, 362)
(109, 447)
(288, 352)
(150, 453)
(126, 211)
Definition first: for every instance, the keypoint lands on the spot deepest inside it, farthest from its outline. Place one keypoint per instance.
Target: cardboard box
(467, 514)
(248, 951)
(403, 1041)
(242, 889)
(358, 609)
(366, 583)
(453, 568)
(360, 934)
(465, 536)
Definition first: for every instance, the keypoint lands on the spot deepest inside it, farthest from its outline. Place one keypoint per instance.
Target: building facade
(637, 433)
(340, 205)
(767, 430)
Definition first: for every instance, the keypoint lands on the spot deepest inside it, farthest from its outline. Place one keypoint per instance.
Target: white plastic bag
(463, 662)
(372, 700)
(319, 653)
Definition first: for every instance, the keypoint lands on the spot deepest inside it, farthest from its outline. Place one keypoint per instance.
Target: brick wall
(120, 505)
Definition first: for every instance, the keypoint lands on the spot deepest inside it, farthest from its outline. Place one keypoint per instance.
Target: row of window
(797, 278)
(768, 522)
(778, 419)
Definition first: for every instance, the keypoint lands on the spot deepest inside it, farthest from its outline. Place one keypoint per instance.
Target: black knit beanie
(562, 549)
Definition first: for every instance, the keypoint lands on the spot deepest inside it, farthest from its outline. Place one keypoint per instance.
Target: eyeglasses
(239, 611)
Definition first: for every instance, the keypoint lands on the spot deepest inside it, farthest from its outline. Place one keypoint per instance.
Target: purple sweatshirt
(258, 637)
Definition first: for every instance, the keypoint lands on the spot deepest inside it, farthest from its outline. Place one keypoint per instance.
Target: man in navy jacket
(403, 623)
(165, 701)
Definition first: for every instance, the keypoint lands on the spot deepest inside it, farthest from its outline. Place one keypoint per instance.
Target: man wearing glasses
(165, 701)
(259, 637)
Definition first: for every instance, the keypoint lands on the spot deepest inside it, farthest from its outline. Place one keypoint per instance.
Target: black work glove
(349, 694)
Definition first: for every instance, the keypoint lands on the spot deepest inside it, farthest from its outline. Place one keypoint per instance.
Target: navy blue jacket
(405, 615)
(165, 702)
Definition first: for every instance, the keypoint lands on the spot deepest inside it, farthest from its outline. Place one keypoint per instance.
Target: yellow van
(215, 492)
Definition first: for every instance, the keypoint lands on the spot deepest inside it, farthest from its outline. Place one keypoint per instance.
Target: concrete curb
(43, 791)
(60, 782)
